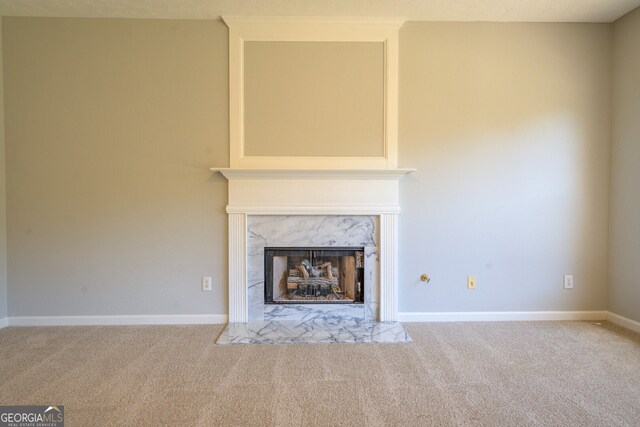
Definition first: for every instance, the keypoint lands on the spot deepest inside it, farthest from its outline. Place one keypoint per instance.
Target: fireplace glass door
(314, 275)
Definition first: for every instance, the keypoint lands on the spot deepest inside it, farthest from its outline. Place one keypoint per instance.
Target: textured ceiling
(417, 10)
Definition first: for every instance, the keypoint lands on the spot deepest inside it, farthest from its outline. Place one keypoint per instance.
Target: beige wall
(112, 124)
(111, 128)
(624, 289)
(508, 125)
(3, 200)
(314, 99)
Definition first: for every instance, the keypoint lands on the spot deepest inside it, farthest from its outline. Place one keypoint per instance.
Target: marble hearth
(314, 332)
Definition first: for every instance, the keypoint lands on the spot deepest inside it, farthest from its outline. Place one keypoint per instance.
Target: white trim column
(388, 267)
(238, 302)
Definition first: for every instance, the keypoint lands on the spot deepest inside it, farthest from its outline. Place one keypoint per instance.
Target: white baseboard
(201, 319)
(167, 319)
(625, 322)
(493, 316)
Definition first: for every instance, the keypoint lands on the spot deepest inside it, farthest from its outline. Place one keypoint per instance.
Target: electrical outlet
(471, 282)
(206, 283)
(568, 281)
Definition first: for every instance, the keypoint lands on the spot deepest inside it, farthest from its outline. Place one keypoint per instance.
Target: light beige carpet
(515, 373)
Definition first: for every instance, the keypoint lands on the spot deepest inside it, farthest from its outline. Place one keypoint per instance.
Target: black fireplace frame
(326, 251)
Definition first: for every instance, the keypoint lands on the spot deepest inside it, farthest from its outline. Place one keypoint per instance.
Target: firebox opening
(314, 275)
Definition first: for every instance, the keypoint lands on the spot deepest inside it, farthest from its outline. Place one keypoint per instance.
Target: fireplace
(361, 211)
(301, 275)
(301, 234)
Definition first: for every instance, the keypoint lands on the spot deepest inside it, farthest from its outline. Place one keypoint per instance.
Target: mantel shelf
(242, 173)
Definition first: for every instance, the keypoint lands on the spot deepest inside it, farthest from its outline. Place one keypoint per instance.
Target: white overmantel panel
(243, 29)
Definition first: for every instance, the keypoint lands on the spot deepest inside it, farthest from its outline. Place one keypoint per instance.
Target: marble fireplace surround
(285, 207)
(311, 231)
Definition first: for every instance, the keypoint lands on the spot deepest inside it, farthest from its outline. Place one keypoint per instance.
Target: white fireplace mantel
(241, 173)
(313, 192)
